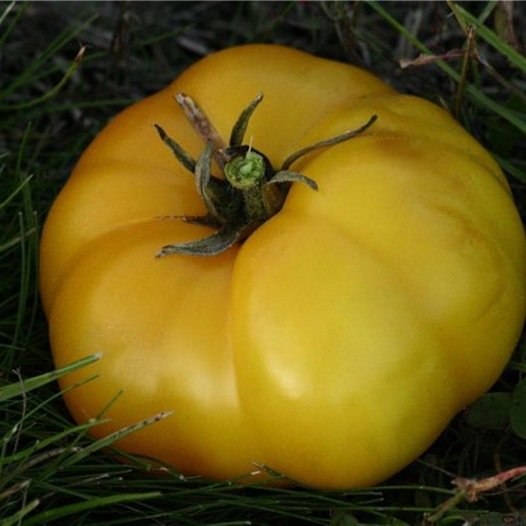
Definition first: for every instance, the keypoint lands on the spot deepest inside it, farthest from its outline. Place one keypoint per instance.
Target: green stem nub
(245, 171)
(250, 193)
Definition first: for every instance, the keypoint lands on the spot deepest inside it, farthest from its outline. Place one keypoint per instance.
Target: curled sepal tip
(345, 136)
(286, 176)
(208, 246)
(180, 154)
(240, 127)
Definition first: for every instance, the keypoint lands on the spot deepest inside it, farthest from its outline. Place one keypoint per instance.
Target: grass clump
(66, 69)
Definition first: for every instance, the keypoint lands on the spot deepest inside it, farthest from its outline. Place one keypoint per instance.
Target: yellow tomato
(337, 341)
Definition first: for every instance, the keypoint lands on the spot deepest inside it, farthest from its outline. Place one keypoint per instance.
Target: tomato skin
(337, 342)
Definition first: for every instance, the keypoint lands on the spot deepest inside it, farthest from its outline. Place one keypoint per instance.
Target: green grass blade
(30, 71)
(16, 191)
(77, 508)
(113, 437)
(511, 169)
(15, 240)
(52, 91)
(19, 486)
(43, 444)
(16, 519)
(516, 58)
(6, 12)
(13, 22)
(475, 94)
(24, 386)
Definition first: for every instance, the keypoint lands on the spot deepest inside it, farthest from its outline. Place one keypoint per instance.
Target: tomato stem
(251, 191)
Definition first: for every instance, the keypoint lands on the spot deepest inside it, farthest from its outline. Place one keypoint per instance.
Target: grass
(66, 69)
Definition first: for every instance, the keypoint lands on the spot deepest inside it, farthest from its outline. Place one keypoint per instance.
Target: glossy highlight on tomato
(340, 338)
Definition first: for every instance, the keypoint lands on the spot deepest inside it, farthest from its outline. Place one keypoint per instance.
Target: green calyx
(250, 192)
